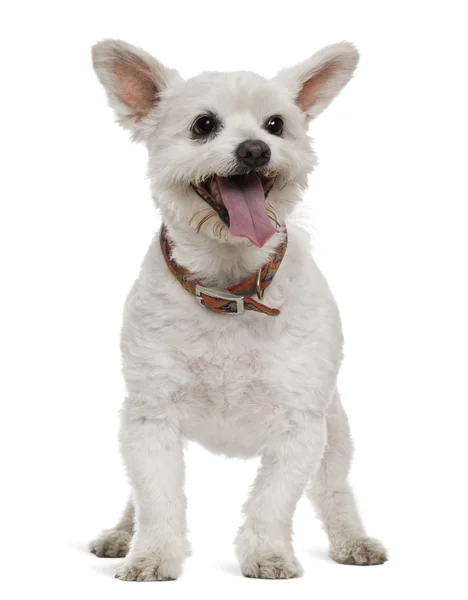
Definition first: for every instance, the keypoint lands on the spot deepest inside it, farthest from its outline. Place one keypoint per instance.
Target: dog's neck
(212, 262)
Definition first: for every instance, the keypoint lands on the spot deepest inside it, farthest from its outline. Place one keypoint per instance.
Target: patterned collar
(235, 299)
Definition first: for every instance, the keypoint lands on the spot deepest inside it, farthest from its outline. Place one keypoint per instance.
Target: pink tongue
(244, 199)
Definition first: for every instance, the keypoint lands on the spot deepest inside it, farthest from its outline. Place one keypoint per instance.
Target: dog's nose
(253, 153)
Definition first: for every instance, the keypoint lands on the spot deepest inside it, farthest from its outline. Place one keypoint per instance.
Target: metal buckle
(220, 295)
(260, 292)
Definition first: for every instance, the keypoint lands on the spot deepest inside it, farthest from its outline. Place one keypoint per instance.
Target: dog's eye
(204, 125)
(274, 125)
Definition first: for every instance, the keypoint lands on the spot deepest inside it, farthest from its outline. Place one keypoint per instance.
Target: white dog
(231, 336)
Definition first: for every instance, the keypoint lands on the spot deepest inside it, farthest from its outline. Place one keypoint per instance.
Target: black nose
(253, 153)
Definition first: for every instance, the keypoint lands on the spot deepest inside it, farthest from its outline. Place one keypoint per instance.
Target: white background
(387, 207)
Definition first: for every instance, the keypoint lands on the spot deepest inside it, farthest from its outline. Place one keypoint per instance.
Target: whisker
(273, 216)
(204, 220)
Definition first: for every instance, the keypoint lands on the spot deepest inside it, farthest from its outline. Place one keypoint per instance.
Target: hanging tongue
(244, 198)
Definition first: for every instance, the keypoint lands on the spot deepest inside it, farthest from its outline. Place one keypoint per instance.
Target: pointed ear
(316, 81)
(133, 80)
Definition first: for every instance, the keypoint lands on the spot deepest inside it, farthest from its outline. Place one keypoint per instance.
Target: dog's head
(228, 152)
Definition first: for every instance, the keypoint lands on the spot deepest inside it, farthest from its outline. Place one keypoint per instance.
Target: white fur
(242, 386)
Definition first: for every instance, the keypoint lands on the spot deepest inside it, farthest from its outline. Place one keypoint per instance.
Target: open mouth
(240, 201)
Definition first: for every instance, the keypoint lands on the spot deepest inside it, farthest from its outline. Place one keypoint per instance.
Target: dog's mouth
(240, 201)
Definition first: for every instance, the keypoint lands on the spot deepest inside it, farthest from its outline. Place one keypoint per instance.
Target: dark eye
(204, 125)
(274, 125)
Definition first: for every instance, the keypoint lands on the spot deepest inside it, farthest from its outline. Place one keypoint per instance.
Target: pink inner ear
(310, 91)
(134, 85)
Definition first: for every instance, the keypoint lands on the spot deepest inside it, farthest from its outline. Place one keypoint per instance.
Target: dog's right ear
(133, 80)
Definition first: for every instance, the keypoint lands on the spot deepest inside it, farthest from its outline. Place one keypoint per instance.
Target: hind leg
(334, 500)
(113, 543)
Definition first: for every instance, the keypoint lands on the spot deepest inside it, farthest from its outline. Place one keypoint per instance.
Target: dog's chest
(232, 381)
(242, 387)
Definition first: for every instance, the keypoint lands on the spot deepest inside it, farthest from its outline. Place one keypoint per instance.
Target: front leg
(153, 453)
(264, 545)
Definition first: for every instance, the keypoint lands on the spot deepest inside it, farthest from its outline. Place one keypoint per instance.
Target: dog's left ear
(134, 81)
(316, 81)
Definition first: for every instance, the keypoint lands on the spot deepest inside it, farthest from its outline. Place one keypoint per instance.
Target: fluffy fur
(242, 386)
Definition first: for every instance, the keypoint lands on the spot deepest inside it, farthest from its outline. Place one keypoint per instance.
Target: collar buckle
(260, 292)
(219, 294)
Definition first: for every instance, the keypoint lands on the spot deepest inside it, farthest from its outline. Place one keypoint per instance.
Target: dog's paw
(111, 544)
(272, 566)
(149, 567)
(363, 551)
